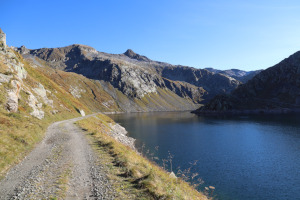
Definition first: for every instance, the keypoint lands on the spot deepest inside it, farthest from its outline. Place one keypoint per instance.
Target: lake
(243, 157)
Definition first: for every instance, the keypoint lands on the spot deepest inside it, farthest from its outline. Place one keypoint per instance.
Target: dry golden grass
(139, 171)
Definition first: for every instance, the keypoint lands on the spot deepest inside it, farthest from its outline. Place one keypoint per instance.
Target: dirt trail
(63, 165)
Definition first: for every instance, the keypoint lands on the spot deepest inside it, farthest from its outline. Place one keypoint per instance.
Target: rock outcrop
(13, 75)
(276, 89)
(35, 105)
(82, 113)
(2, 40)
(133, 55)
(13, 81)
(13, 96)
(120, 134)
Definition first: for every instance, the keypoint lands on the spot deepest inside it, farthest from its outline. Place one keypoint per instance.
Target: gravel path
(63, 165)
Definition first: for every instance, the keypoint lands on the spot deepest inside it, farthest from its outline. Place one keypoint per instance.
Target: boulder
(13, 96)
(172, 175)
(40, 91)
(82, 112)
(33, 103)
(38, 113)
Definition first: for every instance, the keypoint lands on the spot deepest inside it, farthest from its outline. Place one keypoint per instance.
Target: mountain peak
(131, 54)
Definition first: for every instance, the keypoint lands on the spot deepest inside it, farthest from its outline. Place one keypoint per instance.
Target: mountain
(276, 89)
(237, 74)
(134, 81)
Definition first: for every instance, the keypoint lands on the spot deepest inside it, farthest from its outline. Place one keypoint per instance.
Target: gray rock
(38, 113)
(172, 175)
(20, 70)
(41, 92)
(76, 91)
(54, 112)
(13, 96)
(2, 39)
(5, 78)
(82, 113)
(120, 134)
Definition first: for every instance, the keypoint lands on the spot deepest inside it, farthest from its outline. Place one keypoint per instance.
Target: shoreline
(143, 177)
(281, 111)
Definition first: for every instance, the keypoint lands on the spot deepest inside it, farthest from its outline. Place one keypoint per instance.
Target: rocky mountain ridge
(237, 74)
(136, 76)
(274, 90)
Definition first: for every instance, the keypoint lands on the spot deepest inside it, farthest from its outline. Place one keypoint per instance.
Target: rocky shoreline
(119, 133)
(248, 112)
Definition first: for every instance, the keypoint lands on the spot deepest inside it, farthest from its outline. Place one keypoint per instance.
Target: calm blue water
(255, 157)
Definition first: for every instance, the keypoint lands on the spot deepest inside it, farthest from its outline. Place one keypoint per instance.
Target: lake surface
(246, 157)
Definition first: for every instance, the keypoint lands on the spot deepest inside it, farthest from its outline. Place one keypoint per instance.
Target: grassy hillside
(19, 130)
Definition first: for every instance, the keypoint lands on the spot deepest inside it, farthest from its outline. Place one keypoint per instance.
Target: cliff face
(136, 77)
(275, 88)
(212, 83)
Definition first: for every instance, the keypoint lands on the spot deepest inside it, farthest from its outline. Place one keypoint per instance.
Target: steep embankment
(133, 171)
(137, 82)
(276, 89)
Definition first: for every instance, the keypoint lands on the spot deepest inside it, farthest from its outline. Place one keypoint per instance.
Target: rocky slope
(237, 74)
(276, 89)
(212, 83)
(131, 77)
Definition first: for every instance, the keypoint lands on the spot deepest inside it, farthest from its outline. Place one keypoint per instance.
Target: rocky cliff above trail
(276, 89)
(136, 76)
(22, 93)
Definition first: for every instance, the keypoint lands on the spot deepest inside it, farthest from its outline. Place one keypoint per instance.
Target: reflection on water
(244, 157)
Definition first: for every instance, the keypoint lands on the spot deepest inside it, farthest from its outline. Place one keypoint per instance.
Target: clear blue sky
(244, 34)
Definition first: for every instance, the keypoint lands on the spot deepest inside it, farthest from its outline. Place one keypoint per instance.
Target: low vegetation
(133, 173)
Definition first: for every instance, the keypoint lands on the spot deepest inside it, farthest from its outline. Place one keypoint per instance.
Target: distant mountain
(276, 89)
(237, 74)
(130, 78)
